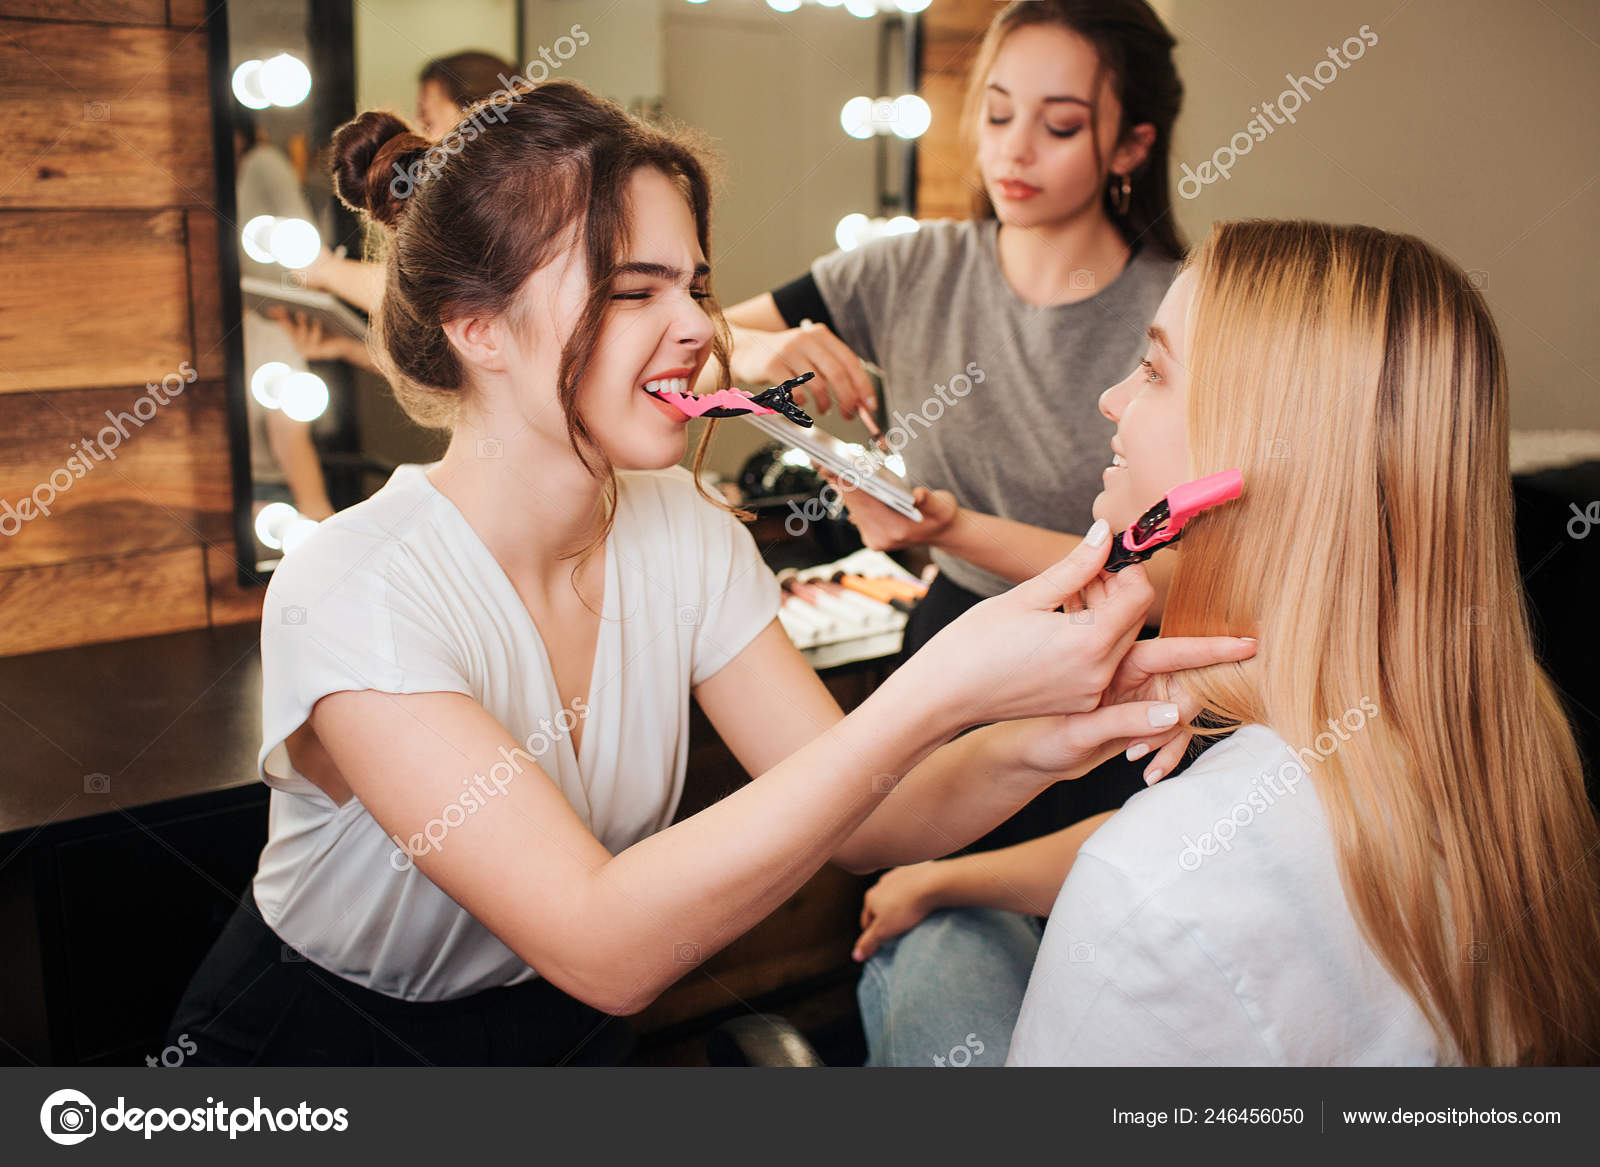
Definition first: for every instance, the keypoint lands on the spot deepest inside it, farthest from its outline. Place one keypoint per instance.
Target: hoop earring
(1122, 195)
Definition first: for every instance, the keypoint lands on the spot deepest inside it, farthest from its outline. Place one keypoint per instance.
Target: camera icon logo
(294, 614)
(1081, 953)
(688, 615)
(1476, 615)
(686, 953)
(1081, 280)
(294, 279)
(1478, 278)
(97, 783)
(1477, 952)
(883, 783)
(96, 111)
(67, 1117)
(289, 954)
(1081, 616)
(490, 447)
(1278, 450)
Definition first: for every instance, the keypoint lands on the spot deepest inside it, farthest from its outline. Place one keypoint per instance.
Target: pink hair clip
(1162, 524)
(733, 403)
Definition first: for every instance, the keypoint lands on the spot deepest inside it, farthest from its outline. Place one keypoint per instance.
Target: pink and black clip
(733, 403)
(1162, 524)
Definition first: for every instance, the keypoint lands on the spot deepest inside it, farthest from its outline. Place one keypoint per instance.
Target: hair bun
(365, 154)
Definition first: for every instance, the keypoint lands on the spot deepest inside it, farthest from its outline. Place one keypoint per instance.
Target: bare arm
(1023, 878)
(612, 930)
(767, 350)
(296, 455)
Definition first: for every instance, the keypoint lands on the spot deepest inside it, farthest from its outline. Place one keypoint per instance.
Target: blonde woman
(1391, 858)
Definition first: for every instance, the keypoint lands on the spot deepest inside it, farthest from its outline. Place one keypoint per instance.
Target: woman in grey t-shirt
(996, 335)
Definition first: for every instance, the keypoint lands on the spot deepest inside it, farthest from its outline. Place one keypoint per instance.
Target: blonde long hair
(1357, 379)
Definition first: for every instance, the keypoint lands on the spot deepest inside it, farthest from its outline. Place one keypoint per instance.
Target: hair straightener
(1162, 524)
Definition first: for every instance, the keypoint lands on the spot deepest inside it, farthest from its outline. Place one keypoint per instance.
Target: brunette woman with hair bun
(476, 683)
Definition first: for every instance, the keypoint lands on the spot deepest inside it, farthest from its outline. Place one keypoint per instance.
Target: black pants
(1106, 787)
(247, 1005)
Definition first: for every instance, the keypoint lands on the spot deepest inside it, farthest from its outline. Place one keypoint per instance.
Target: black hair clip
(732, 403)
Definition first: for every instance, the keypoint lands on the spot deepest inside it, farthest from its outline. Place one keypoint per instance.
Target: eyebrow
(662, 271)
(1060, 97)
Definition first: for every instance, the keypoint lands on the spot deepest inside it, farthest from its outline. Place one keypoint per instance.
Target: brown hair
(1135, 49)
(519, 180)
(468, 78)
(1357, 379)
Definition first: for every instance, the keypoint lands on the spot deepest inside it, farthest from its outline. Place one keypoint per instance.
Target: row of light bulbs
(862, 8)
(283, 81)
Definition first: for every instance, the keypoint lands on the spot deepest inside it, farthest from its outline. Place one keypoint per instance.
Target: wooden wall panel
(952, 30)
(164, 485)
(109, 280)
(92, 298)
(205, 295)
(105, 116)
(109, 11)
(103, 599)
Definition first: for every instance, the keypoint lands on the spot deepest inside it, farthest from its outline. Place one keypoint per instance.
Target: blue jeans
(947, 993)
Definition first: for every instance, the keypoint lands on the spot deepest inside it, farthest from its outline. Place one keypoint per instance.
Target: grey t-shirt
(999, 397)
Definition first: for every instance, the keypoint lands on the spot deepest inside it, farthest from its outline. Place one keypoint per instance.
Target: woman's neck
(530, 500)
(1060, 263)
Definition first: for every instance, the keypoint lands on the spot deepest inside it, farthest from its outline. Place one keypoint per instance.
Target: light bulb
(852, 230)
(266, 383)
(865, 9)
(783, 5)
(911, 7)
(247, 86)
(900, 225)
(911, 116)
(284, 80)
(273, 522)
(856, 117)
(254, 238)
(294, 242)
(303, 396)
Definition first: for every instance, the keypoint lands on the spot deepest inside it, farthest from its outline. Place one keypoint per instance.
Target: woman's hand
(315, 344)
(885, 529)
(1018, 655)
(1144, 684)
(772, 357)
(897, 903)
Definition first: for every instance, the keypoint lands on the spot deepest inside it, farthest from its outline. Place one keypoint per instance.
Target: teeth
(668, 385)
(1118, 460)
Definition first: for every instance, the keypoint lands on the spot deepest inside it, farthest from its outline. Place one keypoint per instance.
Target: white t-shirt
(1205, 924)
(399, 594)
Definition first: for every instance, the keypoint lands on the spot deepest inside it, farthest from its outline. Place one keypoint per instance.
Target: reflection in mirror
(804, 103)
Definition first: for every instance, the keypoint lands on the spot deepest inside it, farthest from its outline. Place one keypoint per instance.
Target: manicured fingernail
(872, 403)
(1247, 639)
(1161, 716)
(1137, 752)
(1153, 775)
(855, 954)
(1098, 534)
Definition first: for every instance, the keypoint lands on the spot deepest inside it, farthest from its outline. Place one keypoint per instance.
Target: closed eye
(1150, 373)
